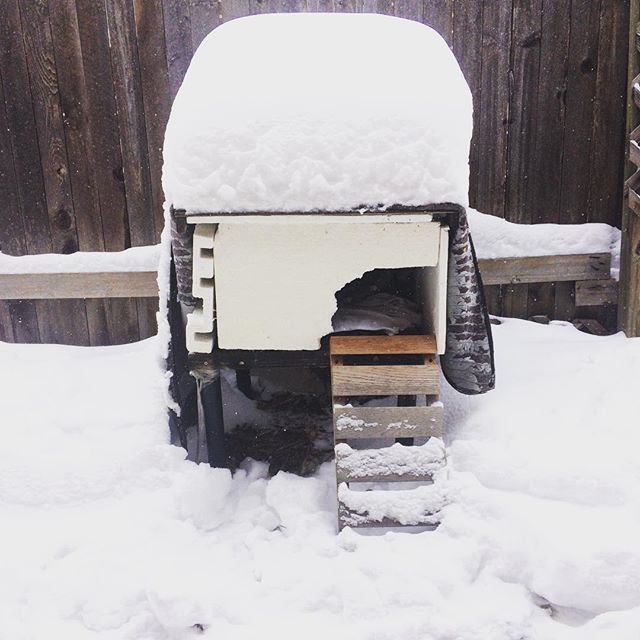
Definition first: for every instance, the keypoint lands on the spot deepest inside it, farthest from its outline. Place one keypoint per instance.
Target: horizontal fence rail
(590, 272)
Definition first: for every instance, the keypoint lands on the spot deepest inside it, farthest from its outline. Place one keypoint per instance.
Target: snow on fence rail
(590, 271)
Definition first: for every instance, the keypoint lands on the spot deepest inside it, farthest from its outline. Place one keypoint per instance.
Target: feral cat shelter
(316, 178)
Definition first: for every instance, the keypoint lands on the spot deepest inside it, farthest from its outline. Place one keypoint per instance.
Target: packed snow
(319, 112)
(134, 259)
(108, 532)
(494, 237)
(422, 460)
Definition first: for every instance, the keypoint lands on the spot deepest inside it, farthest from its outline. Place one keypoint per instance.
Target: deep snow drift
(319, 112)
(107, 532)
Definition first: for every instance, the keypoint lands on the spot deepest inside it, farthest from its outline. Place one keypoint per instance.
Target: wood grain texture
(616, 38)
(127, 81)
(48, 286)
(467, 46)
(177, 29)
(387, 422)
(629, 309)
(492, 131)
(595, 293)
(570, 268)
(377, 345)
(385, 380)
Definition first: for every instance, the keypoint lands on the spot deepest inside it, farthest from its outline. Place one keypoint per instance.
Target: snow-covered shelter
(308, 160)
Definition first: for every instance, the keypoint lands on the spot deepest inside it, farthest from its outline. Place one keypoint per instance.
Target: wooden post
(629, 310)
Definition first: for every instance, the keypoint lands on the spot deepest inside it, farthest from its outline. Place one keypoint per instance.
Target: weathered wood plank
(634, 147)
(154, 79)
(579, 114)
(525, 53)
(492, 132)
(629, 308)
(594, 293)
(109, 320)
(177, 29)
(38, 45)
(377, 345)
(379, 508)
(467, 46)
(205, 16)
(70, 317)
(608, 136)
(595, 266)
(387, 422)
(129, 99)
(438, 14)
(385, 380)
(49, 286)
(397, 463)
(410, 9)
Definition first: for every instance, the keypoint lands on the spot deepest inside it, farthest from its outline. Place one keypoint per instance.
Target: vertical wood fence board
(629, 310)
(24, 318)
(467, 46)
(205, 16)
(38, 44)
(22, 131)
(438, 14)
(104, 123)
(581, 81)
(106, 318)
(525, 65)
(494, 118)
(543, 191)
(231, 9)
(177, 32)
(77, 134)
(133, 134)
(155, 88)
(608, 140)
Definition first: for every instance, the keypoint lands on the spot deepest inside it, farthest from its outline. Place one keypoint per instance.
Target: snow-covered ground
(108, 532)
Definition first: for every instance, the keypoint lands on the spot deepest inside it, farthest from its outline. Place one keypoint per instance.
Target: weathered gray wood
(351, 423)
(467, 46)
(348, 518)
(634, 147)
(383, 465)
(385, 380)
(492, 133)
(58, 286)
(629, 309)
(608, 137)
(594, 293)
(362, 519)
(570, 268)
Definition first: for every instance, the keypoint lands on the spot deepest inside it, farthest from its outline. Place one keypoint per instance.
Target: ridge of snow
(144, 258)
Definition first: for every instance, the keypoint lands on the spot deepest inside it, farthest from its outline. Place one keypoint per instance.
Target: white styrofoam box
(275, 284)
(200, 323)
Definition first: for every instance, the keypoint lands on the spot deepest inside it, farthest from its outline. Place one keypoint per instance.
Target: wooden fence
(86, 88)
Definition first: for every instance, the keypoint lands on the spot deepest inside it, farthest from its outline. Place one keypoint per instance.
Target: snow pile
(319, 112)
(495, 237)
(134, 259)
(109, 533)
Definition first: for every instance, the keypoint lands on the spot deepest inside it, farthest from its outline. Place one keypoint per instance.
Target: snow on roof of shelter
(329, 112)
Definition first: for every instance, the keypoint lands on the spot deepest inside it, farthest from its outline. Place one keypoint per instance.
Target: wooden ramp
(386, 442)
